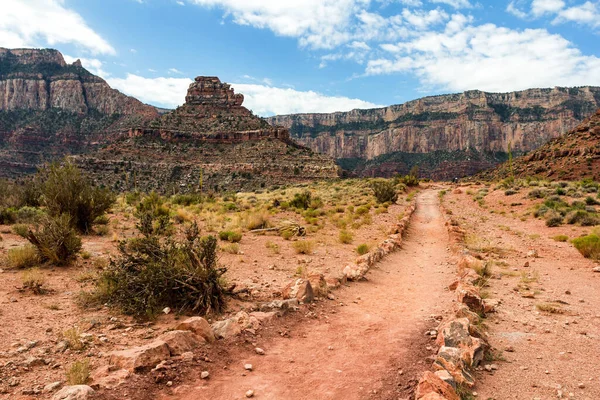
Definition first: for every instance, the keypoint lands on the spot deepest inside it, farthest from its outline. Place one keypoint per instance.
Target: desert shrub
(56, 240)
(23, 257)
(346, 237)
(73, 338)
(21, 230)
(8, 216)
(79, 372)
(590, 201)
(153, 204)
(588, 246)
(575, 217)
(132, 198)
(384, 191)
(553, 219)
(304, 246)
(86, 255)
(560, 191)
(67, 191)
(102, 220)
(274, 247)
(510, 192)
(230, 236)
(257, 221)
(287, 235)
(231, 248)
(362, 249)
(301, 200)
(29, 214)
(153, 272)
(560, 238)
(536, 194)
(362, 210)
(34, 281)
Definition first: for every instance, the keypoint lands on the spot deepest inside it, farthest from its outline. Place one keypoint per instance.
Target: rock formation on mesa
(573, 156)
(447, 136)
(211, 139)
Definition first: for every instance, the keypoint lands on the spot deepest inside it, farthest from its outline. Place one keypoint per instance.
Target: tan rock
(431, 386)
(264, 317)
(77, 392)
(300, 289)
(180, 342)
(318, 284)
(140, 358)
(469, 296)
(199, 326)
(104, 378)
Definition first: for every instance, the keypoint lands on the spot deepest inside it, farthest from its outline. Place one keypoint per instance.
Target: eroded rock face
(199, 326)
(448, 136)
(77, 392)
(49, 108)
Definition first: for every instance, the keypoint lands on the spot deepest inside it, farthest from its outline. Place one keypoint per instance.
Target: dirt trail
(357, 351)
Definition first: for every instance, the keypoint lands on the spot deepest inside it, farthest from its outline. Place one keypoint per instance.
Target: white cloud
(587, 13)
(491, 58)
(316, 23)
(541, 7)
(181, 3)
(424, 19)
(165, 92)
(264, 100)
(517, 12)
(175, 71)
(41, 23)
(454, 3)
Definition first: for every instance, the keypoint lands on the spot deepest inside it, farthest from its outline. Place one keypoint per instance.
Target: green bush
(153, 272)
(362, 249)
(21, 230)
(56, 240)
(384, 191)
(346, 237)
(536, 194)
(301, 200)
(8, 216)
(588, 246)
(554, 219)
(230, 236)
(67, 191)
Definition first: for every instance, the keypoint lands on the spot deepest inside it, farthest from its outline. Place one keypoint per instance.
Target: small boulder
(432, 387)
(77, 392)
(199, 326)
(140, 358)
(180, 342)
(51, 387)
(300, 289)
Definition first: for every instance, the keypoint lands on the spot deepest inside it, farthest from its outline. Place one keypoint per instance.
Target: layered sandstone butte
(573, 156)
(211, 140)
(447, 136)
(49, 108)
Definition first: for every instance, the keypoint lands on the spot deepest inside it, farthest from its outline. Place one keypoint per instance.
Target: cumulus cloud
(492, 58)
(455, 3)
(587, 13)
(40, 23)
(264, 100)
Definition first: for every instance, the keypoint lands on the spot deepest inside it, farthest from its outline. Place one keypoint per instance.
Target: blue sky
(289, 56)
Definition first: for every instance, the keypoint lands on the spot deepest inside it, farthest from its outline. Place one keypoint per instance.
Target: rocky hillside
(49, 108)
(575, 155)
(211, 140)
(447, 136)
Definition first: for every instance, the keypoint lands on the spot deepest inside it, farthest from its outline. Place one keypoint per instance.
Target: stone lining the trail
(462, 346)
(357, 270)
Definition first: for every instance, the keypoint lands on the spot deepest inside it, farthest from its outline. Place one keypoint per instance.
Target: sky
(296, 56)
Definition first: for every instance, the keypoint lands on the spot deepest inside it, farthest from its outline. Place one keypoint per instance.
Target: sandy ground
(542, 355)
(367, 342)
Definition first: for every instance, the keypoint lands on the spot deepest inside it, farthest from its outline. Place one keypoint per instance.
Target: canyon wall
(447, 135)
